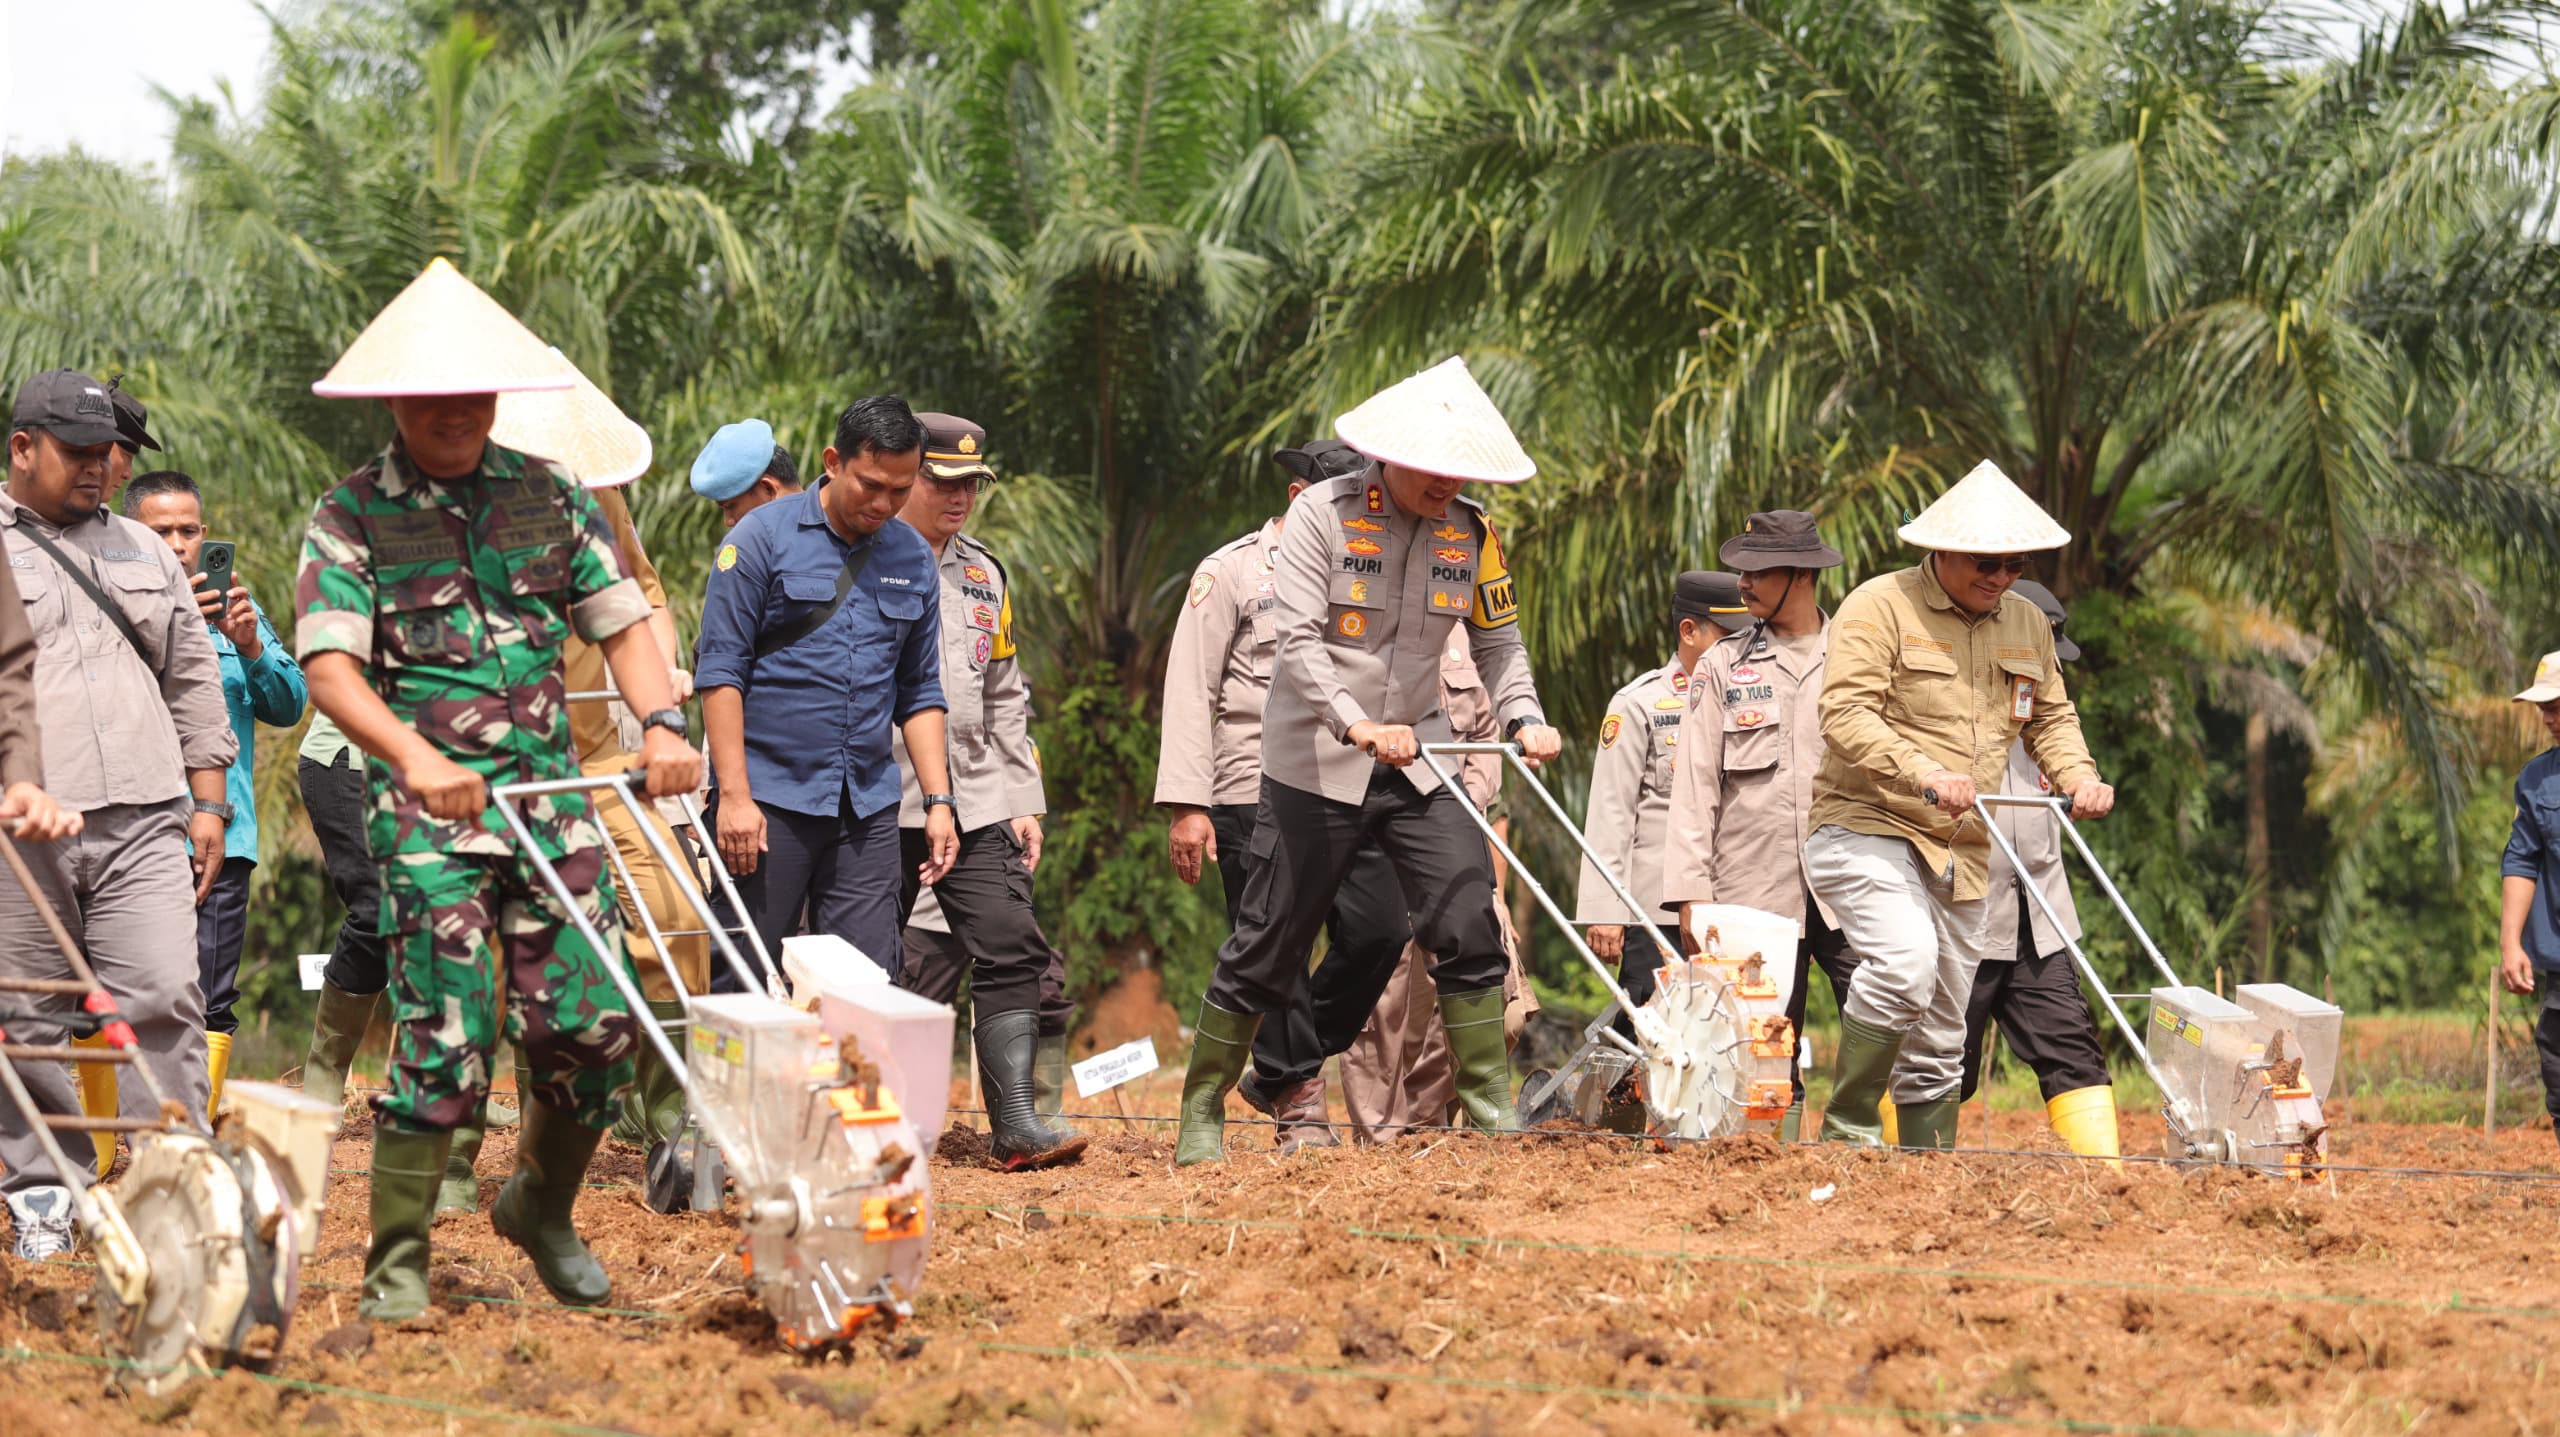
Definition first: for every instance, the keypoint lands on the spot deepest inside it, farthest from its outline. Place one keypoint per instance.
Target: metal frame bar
(2061, 808)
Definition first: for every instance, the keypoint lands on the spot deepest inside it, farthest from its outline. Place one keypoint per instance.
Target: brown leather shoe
(1303, 1120)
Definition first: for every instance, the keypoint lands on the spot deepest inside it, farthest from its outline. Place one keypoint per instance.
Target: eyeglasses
(965, 484)
(2015, 564)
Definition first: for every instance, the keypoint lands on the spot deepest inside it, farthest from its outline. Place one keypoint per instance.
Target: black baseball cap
(1319, 460)
(131, 416)
(1712, 595)
(70, 406)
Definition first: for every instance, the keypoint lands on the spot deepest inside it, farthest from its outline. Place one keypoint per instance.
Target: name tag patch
(2022, 697)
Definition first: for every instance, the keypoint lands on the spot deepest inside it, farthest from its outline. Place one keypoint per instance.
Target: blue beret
(735, 458)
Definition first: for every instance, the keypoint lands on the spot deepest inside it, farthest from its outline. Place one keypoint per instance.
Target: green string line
(1623, 1394)
(331, 1389)
(651, 1314)
(2455, 1303)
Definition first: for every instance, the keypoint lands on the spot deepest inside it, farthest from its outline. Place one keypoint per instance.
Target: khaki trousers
(657, 888)
(1396, 1074)
(1917, 948)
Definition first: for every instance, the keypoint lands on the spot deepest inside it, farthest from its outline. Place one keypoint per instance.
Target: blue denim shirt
(2530, 855)
(269, 691)
(819, 713)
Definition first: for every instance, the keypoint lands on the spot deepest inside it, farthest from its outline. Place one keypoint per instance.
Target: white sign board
(1105, 1071)
(314, 968)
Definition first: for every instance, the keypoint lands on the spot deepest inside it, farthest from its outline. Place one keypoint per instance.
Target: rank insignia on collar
(1365, 526)
(975, 574)
(1364, 546)
(1377, 500)
(1680, 681)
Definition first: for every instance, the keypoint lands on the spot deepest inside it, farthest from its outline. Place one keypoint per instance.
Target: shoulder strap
(816, 619)
(79, 576)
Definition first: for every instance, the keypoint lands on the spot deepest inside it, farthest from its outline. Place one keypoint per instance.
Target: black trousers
(1304, 846)
(334, 795)
(987, 899)
(2042, 1017)
(838, 872)
(1825, 947)
(222, 924)
(1365, 933)
(2546, 1040)
(937, 967)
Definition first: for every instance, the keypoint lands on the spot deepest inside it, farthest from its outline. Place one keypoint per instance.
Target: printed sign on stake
(1105, 1071)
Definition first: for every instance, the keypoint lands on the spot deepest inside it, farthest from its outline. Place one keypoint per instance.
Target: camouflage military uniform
(457, 596)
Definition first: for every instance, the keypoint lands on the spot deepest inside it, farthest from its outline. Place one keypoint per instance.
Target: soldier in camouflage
(439, 583)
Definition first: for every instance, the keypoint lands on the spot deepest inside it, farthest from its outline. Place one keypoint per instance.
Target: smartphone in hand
(214, 560)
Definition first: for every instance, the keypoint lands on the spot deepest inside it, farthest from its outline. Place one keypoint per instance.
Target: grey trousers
(1917, 947)
(124, 889)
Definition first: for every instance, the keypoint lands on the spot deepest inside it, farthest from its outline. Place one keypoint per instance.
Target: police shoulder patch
(1496, 603)
(1201, 584)
(728, 557)
(1609, 728)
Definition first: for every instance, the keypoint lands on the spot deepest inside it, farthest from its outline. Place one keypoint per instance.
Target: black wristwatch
(221, 811)
(672, 720)
(1511, 730)
(946, 800)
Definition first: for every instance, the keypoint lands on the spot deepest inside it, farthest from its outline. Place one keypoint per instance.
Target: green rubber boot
(533, 1210)
(1480, 1058)
(654, 1108)
(1791, 1127)
(337, 1031)
(1221, 1042)
(1858, 1077)
(405, 1169)
(460, 1189)
(1049, 1075)
(1929, 1125)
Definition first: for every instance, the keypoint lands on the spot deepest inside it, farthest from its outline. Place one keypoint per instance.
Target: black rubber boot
(1858, 1077)
(1008, 1049)
(406, 1168)
(1221, 1044)
(337, 1031)
(1480, 1058)
(534, 1209)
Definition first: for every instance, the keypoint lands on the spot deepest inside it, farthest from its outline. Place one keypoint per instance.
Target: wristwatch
(221, 811)
(1511, 730)
(946, 800)
(672, 720)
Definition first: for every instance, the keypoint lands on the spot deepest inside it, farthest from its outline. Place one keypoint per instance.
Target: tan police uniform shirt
(1630, 802)
(995, 772)
(2037, 835)
(1742, 798)
(117, 727)
(1470, 710)
(595, 728)
(1915, 684)
(1368, 596)
(1217, 675)
(21, 751)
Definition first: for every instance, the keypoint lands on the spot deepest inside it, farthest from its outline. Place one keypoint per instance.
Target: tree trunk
(2262, 903)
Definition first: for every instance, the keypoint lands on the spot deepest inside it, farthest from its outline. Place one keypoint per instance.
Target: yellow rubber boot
(2086, 1120)
(1892, 1122)
(98, 1100)
(217, 1066)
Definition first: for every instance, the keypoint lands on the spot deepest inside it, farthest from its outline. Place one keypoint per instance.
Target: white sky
(103, 101)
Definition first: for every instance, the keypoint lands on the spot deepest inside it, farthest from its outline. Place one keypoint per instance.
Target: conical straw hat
(580, 427)
(1440, 422)
(1985, 514)
(443, 335)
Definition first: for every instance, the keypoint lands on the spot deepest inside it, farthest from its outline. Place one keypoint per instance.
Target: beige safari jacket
(1217, 674)
(1741, 801)
(1914, 685)
(1630, 797)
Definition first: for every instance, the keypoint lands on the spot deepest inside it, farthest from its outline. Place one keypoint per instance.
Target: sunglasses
(2014, 564)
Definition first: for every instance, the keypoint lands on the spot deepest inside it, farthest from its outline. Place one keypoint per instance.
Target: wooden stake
(2217, 980)
(1120, 1100)
(2489, 1084)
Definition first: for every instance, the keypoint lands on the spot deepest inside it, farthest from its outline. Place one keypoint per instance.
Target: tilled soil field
(1465, 1286)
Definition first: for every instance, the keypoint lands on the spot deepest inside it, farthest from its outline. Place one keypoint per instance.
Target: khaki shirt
(1368, 598)
(1742, 798)
(1217, 675)
(1471, 720)
(118, 727)
(1915, 684)
(595, 727)
(2037, 834)
(995, 773)
(1631, 776)
(21, 751)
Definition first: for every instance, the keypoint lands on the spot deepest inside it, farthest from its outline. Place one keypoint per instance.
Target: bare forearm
(2515, 904)
(639, 669)
(208, 784)
(338, 689)
(724, 728)
(924, 735)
